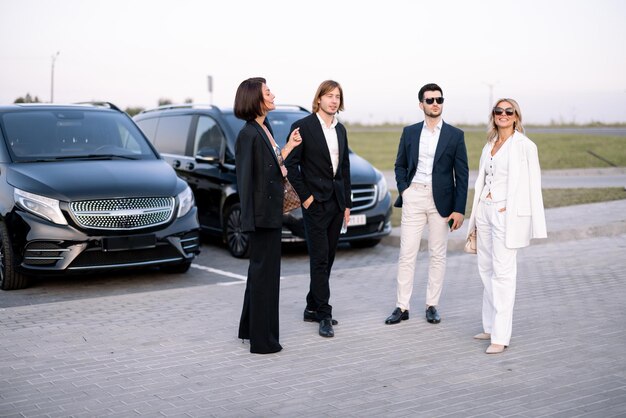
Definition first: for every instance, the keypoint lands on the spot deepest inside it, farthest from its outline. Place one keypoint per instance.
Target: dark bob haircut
(249, 99)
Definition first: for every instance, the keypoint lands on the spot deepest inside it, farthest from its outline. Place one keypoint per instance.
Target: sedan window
(209, 137)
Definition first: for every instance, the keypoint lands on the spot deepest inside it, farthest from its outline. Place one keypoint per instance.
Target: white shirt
(428, 145)
(497, 174)
(331, 141)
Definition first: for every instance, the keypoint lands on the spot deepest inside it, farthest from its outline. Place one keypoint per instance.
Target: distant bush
(132, 111)
(27, 99)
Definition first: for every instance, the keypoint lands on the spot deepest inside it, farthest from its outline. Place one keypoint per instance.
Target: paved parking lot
(157, 345)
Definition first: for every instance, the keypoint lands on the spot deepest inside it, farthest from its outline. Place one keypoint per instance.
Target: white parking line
(220, 272)
(239, 277)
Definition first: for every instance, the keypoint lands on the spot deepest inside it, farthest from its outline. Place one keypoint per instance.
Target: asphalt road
(561, 179)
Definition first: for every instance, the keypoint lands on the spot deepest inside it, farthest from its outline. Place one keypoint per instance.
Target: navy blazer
(259, 179)
(450, 171)
(310, 169)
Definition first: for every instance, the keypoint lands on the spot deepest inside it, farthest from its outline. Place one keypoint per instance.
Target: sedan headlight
(41, 206)
(382, 188)
(185, 202)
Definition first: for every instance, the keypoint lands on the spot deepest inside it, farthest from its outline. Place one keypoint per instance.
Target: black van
(82, 189)
(199, 142)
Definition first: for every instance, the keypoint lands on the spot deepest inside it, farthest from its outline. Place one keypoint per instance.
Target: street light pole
(54, 58)
(490, 85)
(210, 82)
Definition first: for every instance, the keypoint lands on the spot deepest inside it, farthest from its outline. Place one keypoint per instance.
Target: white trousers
(418, 209)
(497, 266)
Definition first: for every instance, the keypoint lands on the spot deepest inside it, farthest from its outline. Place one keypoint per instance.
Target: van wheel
(10, 279)
(177, 268)
(365, 243)
(236, 240)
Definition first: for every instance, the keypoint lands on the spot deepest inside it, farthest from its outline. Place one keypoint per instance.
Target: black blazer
(450, 171)
(310, 169)
(259, 179)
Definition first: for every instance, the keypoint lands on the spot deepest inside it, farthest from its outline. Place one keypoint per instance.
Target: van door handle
(190, 166)
(175, 163)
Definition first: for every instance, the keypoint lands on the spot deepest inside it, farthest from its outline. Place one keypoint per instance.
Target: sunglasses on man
(498, 111)
(432, 100)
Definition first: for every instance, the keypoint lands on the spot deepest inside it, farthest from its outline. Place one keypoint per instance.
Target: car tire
(236, 240)
(177, 268)
(10, 278)
(365, 243)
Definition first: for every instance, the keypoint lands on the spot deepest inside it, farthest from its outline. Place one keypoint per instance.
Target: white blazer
(525, 217)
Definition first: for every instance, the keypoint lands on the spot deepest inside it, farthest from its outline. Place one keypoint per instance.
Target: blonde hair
(492, 129)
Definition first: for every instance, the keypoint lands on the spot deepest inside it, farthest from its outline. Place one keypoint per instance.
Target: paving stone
(174, 352)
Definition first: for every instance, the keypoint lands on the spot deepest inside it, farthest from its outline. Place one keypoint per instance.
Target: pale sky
(563, 60)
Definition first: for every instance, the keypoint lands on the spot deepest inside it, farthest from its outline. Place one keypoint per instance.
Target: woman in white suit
(507, 212)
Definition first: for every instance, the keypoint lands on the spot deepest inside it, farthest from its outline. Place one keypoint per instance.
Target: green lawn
(556, 151)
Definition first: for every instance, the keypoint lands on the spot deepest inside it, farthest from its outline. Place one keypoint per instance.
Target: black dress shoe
(311, 316)
(432, 315)
(396, 316)
(326, 328)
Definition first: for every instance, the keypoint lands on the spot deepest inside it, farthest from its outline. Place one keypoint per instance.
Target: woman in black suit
(260, 173)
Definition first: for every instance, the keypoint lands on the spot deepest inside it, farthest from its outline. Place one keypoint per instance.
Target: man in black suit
(319, 170)
(432, 176)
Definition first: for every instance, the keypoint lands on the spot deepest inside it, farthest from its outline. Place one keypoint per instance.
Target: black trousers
(322, 223)
(259, 316)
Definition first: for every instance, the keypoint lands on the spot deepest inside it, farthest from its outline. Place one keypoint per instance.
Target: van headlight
(41, 206)
(185, 202)
(382, 188)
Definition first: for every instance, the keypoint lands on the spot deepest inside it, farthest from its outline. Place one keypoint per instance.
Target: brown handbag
(470, 244)
(291, 200)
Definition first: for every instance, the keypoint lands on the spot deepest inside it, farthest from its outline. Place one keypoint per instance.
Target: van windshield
(42, 135)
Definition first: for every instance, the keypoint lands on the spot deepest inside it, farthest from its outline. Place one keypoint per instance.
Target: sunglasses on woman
(499, 111)
(433, 99)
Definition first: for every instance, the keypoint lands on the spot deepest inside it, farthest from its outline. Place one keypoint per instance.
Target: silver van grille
(363, 197)
(123, 214)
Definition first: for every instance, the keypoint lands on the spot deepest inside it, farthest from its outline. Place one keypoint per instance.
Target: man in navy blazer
(319, 170)
(432, 177)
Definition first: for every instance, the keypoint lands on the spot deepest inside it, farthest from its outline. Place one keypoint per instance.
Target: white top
(496, 174)
(331, 140)
(425, 161)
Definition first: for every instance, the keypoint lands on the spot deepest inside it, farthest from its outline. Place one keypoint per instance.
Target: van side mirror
(208, 155)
